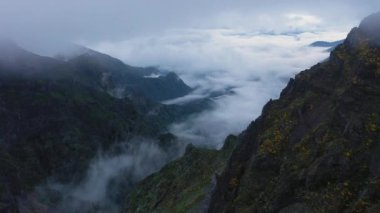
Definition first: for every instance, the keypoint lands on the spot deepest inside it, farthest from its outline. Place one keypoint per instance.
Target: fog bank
(250, 67)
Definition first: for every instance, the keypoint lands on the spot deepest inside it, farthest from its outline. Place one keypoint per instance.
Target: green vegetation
(54, 129)
(182, 185)
(56, 115)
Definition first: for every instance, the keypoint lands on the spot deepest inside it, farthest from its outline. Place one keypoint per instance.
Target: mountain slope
(182, 185)
(314, 150)
(123, 80)
(54, 129)
(94, 69)
(56, 115)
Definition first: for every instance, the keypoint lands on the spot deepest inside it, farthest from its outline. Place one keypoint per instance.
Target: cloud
(42, 25)
(211, 50)
(254, 65)
(301, 20)
(251, 46)
(97, 20)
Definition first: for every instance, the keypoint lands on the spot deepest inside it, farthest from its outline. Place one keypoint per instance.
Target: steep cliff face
(317, 147)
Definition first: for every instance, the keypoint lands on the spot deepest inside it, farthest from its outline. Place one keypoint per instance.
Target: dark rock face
(315, 148)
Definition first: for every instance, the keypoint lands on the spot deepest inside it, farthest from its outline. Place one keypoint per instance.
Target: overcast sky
(99, 20)
(250, 45)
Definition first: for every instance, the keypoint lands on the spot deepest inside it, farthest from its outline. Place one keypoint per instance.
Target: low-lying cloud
(253, 65)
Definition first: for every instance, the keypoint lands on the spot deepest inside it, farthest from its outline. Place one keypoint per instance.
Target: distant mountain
(326, 43)
(314, 149)
(123, 80)
(330, 45)
(18, 62)
(370, 26)
(94, 69)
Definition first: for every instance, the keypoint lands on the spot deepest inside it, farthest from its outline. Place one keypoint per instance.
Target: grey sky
(253, 46)
(99, 20)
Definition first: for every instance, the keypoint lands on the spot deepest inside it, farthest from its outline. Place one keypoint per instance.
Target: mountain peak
(370, 25)
(9, 47)
(4, 42)
(367, 32)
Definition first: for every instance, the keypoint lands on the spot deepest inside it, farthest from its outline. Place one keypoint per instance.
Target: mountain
(57, 114)
(15, 61)
(123, 80)
(94, 69)
(370, 27)
(326, 44)
(313, 150)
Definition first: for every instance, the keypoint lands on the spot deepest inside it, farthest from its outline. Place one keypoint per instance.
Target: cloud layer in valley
(255, 66)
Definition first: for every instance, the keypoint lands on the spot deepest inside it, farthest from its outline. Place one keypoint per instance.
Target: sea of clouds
(254, 65)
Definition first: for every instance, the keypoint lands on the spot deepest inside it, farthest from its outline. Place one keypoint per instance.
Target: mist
(42, 24)
(110, 177)
(247, 67)
(247, 63)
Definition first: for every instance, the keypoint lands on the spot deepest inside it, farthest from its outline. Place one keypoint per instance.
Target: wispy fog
(111, 175)
(252, 65)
